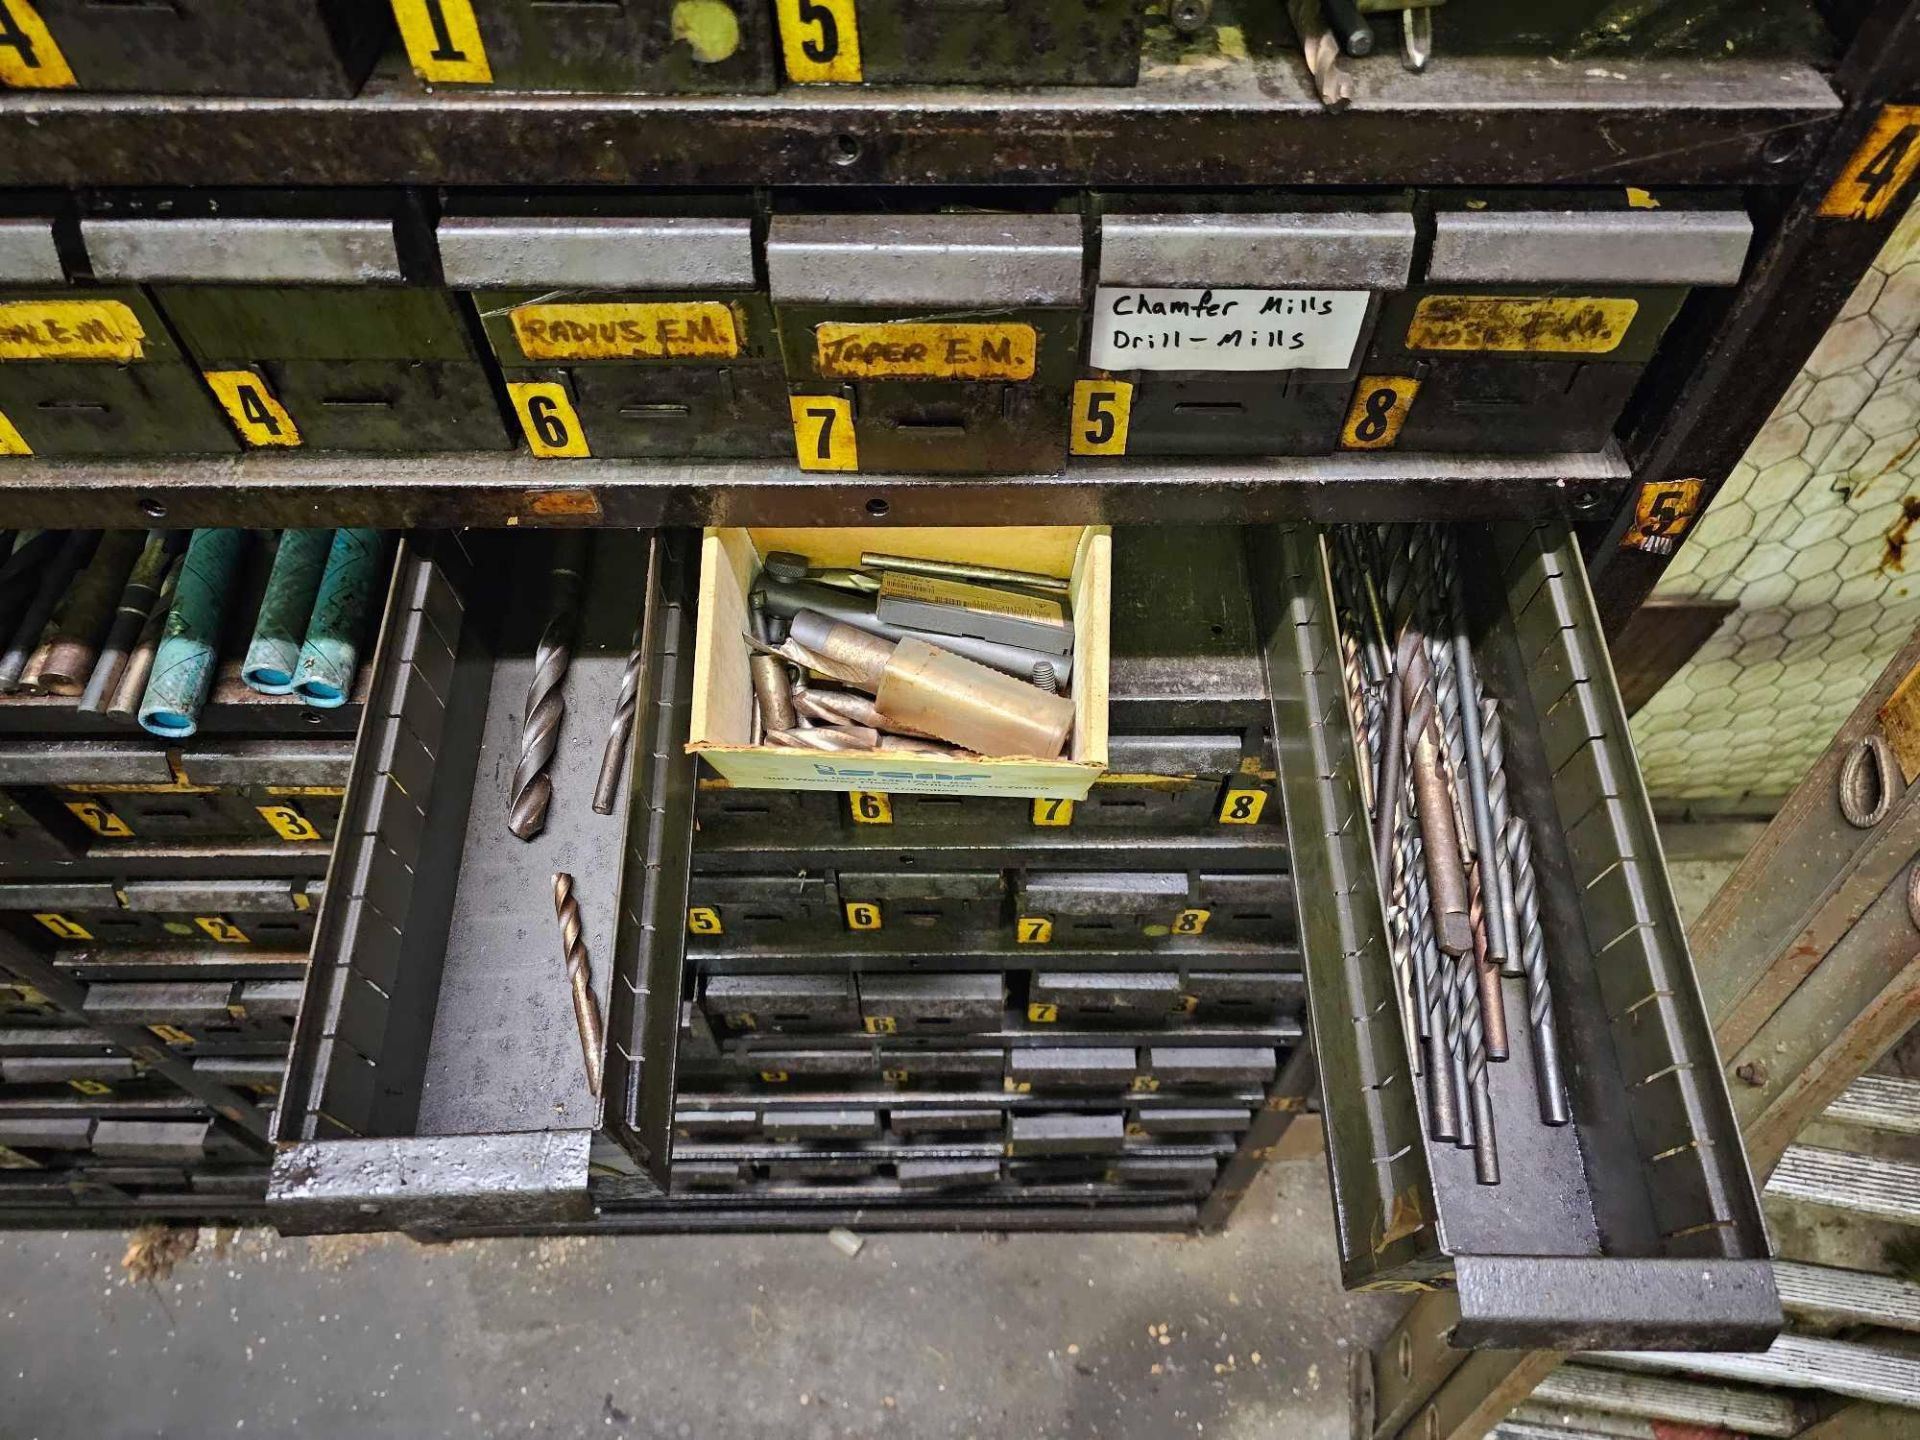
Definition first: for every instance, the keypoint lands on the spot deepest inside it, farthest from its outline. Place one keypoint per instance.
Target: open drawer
(437, 1076)
(1637, 1224)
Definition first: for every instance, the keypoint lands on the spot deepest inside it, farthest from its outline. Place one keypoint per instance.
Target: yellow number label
(704, 920)
(870, 807)
(443, 41)
(774, 1077)
(1379, 409)
(910, 350)
(260, 419)
(548, 420)
(1053, 812)
(1016, 1087)
(1034, 930)
(823, 432)
(820, 41)
(11, 1159)
(1662, 514)
(221, 929)
(1242, 807)
(676, 330)
(70, 329)
(172, 1034)
(100, 820)
(288, 823)
(1101, 410)
(62, 926)
(1880, 169)
(91, 1087)
(742, 1020)
(881, 1025)
(1143, 1084)
(1191, 922)
(895, 1077)
(1039, 1013)
(12, 442)
(1510, 324)
(862, 915)
(29, 58)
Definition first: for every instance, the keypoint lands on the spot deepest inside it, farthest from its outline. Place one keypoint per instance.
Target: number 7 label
(823, 432)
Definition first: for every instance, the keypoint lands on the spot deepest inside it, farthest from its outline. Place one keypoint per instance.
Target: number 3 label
(820, 40)
(1101, 409)
(823, 432)
(547, 417)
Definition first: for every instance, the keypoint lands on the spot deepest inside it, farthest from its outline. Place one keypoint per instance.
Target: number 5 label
(820, 40)
(823, 432)
(1101, 409)
(547, 417)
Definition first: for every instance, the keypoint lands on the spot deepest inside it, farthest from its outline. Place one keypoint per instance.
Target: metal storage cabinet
(196, 47)
(614, 46)
(89, 371)
(627, 336)
(1537, 316)
(1236, 331)
(307, 332)
(942, 344)
(955, 42)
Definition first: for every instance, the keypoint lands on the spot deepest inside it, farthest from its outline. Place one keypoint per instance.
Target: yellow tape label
(1191, 922)
(1053, 812)
(29, 58)
(221, 929)
(1040, 1013)
(1101, 410)
(679, 330)
(12, 442)
(823, 432)
(260, 418)
(91, 1087)
(172, 1034)
(100, 820)
(288, 823)
(1514, 324)
(70, 330)
(1379, 409)
(11, 1159)
(1880, 170)
(909, 350)
(820, 41)
(1242, 807)
(774, 1077)
(63, 926)
(881, 1024)
(547, 418)
(1663, 512)
(896, 1077)
(1033, 930)
(443, 41)
(870, 807)
(862, 915)
(704, 920)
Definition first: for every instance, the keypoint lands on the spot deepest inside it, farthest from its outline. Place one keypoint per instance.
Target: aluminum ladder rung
(1879, 1102)
(1868, 1185)
(1847, 1297)
(1795, 1362)
(1680, 1401)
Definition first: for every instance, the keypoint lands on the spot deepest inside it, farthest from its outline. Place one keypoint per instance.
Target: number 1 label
(443, 41)
(820, 40)
(823, 432)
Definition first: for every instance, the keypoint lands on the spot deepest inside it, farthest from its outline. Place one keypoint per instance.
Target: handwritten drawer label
(665, 330)
(70, 330)
(1551, 325)
(905, 350)
(1158, 329)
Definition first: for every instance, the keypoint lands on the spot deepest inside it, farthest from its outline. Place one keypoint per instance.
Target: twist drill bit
(1486, 1155)
(546, 702)
(1486, 974)
(1322, 51)
(1493, 747)
(620, 732)
(586, 1009)
(1533, 951)
(1446, 874)
(1444, 1065)
(1486, 838)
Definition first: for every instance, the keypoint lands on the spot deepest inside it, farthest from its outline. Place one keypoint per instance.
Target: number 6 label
(820, 40)
(823, 432)
(546, 415)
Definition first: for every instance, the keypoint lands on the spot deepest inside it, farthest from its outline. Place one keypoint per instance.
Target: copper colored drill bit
(586, 1009)
(1493, 1004)
(546, 700)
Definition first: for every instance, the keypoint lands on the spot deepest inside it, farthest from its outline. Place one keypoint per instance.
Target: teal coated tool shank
(189, 644)
(324, 676)
(286, 609)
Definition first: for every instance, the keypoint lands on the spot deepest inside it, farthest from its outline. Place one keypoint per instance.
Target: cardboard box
(722, 727)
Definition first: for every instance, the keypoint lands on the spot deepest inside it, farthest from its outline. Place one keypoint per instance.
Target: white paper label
(1153, 329)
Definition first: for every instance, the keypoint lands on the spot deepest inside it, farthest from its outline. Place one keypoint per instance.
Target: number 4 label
(548, 419)
(823, 432)
(29, 59)
(250, 405)
(820, 40)
(1880, 169)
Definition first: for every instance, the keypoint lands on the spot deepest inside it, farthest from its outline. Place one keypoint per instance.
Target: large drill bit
(1486, 1156)
(620, 732)
(1446, 873)
(1446, 1065)
(1493, 746)
(1322, 53)
(546, 701)
(1533, 951)
(1486, 974)
(586, 1009)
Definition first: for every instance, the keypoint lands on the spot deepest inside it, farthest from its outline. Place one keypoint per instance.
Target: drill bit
(546, 703)
(1533, 950)
(1446, 874)
(1486, 1155)
(1467, 679)
(1493, 746)
(1486, 974)
(1416, 37)
(586, 1009)
(1322, 52)
(1442, 1029)
(620, 732)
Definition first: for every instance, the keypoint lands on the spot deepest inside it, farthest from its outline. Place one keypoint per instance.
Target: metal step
(1879, 1102)
(1847, 1297)
(1866, 1185)
(1795, 1362)
(1534, 1425)
(1658, 1397)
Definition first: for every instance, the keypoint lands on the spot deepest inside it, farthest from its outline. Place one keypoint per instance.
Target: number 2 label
(823, 432)
(820, 41)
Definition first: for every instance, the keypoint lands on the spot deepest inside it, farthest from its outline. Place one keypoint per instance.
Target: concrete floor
(1237, 1336)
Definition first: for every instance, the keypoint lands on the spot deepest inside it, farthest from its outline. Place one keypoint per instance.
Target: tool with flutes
(573, 950)
(532, 789)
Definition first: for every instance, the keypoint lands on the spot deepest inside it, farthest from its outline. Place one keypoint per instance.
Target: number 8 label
(820, 41)
(1379, 409)
(548, 420)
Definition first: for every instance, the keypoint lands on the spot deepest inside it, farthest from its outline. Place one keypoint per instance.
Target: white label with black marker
(1144, 328)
